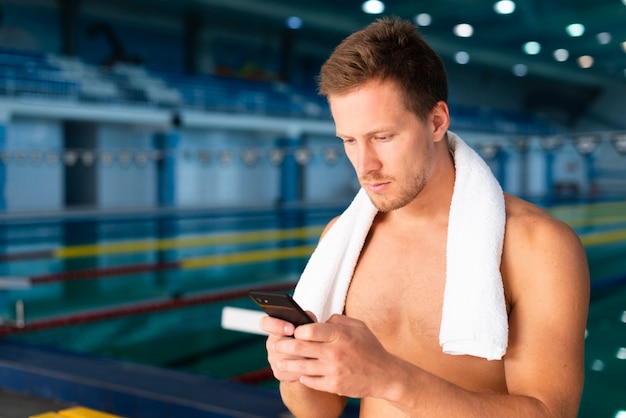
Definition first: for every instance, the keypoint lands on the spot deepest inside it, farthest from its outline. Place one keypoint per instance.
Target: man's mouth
(375, 186)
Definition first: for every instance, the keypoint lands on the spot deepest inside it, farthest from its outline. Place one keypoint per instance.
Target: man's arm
(546, 279)
(546, 270)
(547, 285)
(302, 401)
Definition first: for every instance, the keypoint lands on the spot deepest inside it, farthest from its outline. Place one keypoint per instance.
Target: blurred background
(160, 158)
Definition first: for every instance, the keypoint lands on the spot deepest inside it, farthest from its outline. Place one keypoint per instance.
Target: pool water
(604, 394)
(223, 255)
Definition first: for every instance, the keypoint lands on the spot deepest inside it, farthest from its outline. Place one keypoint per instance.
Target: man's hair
(389, 49)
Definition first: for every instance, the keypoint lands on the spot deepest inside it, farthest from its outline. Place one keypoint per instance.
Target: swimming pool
(150, 288)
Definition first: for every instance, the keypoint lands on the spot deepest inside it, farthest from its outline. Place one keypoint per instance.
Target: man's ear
(440, 119)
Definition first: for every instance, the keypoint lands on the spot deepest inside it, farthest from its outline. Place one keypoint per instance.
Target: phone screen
(282, 306)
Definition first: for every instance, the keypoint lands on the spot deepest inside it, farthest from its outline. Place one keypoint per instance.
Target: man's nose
(367, 159)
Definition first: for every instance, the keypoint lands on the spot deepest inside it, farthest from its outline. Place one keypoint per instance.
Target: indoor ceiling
(497, 41)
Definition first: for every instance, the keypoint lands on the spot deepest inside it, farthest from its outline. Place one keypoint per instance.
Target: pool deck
(48, 379)
(19, 405)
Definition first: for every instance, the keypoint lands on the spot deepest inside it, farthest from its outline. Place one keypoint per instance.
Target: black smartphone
(281, 306)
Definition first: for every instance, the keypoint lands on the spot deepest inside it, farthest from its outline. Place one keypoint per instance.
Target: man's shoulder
(531, 229)
(540, 251)
(523, 216)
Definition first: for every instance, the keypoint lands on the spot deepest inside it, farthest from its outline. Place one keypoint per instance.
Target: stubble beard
(408, 191)
(405, 196)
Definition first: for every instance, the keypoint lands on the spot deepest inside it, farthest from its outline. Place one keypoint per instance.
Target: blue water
(191, 338)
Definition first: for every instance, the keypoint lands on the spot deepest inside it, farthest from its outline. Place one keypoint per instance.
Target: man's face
(390, 148)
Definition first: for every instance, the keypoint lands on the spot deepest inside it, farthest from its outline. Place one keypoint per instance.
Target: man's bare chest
(397, 290)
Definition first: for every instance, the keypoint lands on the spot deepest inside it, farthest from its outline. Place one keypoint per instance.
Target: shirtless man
(388, 101)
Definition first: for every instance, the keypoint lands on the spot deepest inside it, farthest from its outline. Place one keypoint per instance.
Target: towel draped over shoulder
(474, 317)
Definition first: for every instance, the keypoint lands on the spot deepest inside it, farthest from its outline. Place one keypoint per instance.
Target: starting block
(244, 320)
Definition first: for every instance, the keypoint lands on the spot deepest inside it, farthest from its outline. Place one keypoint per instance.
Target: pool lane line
(218, 260)
(241, 257)
(591, 214)
(138, 309)
(99, 272)
(596, 221)
(597, 206)
(247, 257)
(595, 238)
(592, 239)
(254, 377)
(26, 255)
(138, 246)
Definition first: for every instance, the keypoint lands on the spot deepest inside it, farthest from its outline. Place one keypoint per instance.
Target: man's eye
(347, 140)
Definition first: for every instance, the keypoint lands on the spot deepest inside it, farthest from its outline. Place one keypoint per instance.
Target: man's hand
(280, 330)
(341, 356)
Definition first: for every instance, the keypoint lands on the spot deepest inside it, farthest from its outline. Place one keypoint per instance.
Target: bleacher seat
(60, 78)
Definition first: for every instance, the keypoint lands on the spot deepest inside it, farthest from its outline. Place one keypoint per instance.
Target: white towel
(474, 318)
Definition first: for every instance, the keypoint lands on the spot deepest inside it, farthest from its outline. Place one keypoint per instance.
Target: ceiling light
(462, 57)
(561, 55)
(424, 19)
(585, 61)
(532, 48)
(293, 22)
(603, 38)
(623, 46)
(505, 7)
(586, 144)
(463, 30)
(575, 29)
(373, 7)
(520, 70)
